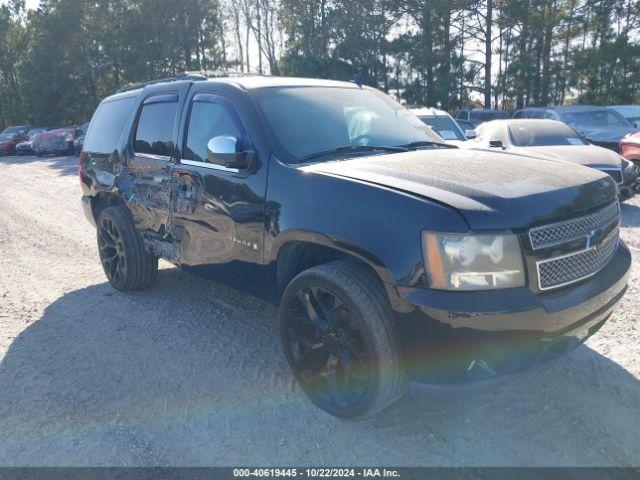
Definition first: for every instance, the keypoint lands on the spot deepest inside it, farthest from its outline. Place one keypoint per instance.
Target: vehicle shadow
(190, 372)
(65, 165)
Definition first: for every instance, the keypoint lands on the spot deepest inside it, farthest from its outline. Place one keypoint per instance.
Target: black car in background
(476, 116)
(601, 126)
(392, 256)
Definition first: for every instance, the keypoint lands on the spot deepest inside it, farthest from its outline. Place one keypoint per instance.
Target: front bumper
(463, 336)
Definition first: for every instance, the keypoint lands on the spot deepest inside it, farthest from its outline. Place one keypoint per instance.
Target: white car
(443, 124)
(556, 140)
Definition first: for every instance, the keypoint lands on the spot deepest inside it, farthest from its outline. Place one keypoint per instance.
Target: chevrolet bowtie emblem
(591, 237)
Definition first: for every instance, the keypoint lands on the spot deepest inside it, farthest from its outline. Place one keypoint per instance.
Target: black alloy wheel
(126, 263)
(340, 340)
(327, 347)
(112, 254)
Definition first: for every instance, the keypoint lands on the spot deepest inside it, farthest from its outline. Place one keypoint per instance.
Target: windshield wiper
(426, 143)
(353, 149)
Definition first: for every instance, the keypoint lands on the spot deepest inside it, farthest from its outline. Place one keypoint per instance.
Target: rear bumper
(87, 208)
(464, 336)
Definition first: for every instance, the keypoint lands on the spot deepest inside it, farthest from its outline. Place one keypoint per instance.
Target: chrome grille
(560, 271)
(557, 233)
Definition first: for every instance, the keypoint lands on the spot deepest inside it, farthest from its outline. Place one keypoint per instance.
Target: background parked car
(8, 142)
(466, 127)
(476, 116)
(78, 144)
(630, 112)
(442, 123)
(602, 126)
(556, 140)
(20, 130)
(26, 147)
(58, 141)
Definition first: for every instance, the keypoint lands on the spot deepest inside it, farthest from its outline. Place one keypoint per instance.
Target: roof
(428, 111)
(562, 108)
(256, 81)
(482, 109)
(247, 82)
(522, 121)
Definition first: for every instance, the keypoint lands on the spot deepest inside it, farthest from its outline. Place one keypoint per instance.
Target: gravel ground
(191, 372)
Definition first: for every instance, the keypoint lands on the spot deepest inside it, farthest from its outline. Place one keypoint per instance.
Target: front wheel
(126, 263)
(340, 340)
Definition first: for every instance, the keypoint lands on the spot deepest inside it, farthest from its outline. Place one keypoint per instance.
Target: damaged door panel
(219, 211)
(148, 187)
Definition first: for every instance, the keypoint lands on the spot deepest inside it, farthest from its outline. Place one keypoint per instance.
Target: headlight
(472, 262)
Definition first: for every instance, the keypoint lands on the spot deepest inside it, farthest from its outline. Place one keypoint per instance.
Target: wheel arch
(102, 200)
(308, 250)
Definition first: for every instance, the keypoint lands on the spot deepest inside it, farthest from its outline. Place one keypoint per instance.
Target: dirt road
(191, 372)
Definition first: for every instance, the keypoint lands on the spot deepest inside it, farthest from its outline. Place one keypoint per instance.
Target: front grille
(560, 271)
(555, 234)
(615, 173)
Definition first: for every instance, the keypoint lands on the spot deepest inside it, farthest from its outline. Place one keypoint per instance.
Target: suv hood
(492, 190)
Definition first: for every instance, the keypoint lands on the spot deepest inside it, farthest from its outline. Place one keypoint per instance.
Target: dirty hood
(492, 190)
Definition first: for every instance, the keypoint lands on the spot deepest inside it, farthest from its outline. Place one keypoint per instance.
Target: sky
(31, 4)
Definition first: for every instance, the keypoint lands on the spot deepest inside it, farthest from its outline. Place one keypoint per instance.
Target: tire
(348, 365)
(126, 263)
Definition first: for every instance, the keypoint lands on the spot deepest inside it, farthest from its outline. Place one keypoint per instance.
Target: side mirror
(227, 151)
(496, 144)
(470, 134)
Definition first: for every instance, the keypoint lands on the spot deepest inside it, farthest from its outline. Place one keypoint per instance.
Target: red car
(630, 147)
(8, 142)
(58, 141)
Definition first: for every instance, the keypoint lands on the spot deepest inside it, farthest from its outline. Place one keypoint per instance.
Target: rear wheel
(125, 261)
(340, 340)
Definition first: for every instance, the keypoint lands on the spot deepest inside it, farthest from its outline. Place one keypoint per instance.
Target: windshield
(444, 126)
(534, 134)
(627, 111)
(600, 117)
(308, 120)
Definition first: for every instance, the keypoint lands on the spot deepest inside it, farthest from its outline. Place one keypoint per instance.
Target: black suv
(392, 256)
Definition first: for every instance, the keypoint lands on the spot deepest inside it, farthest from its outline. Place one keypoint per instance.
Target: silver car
(556, 140)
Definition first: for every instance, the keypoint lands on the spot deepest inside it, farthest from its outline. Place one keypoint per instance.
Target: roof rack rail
(189, 75)
(223, 73)
(176, 78)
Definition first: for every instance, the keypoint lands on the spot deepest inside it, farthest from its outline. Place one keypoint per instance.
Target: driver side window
(206, 121)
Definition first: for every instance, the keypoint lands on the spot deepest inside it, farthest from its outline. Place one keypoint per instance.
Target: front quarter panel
(376, 224)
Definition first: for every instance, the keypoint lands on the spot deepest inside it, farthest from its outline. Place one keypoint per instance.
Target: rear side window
(208, 120)
(154, 133)
(107, 125)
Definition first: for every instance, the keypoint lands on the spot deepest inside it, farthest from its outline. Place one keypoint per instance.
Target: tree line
(58, 61)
